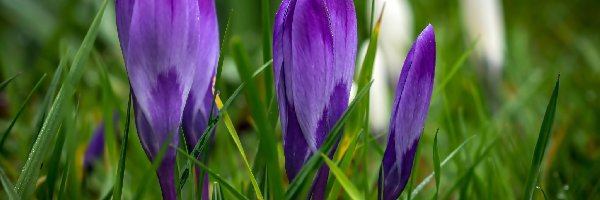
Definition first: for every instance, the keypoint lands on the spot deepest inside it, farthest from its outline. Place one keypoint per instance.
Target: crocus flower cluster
(314, 51)
(170, 50)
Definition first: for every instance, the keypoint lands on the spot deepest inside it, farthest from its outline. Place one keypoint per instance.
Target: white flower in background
(484, 22)
(380, 100)
(395, 34)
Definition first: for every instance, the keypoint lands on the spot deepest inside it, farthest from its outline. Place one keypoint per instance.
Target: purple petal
(199, 102)
(314, 51)
(95, 149)
(161, 41)
(411, 104)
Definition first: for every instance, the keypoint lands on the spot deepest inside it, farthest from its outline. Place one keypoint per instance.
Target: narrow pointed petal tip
(409, 111)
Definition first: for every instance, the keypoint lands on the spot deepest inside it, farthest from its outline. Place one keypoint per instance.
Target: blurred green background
(542, 39)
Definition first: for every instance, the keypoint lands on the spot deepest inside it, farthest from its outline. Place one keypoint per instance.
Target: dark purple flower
(314, 51)
(95, 149)
(161, 41)
(409, 112)
(198, 106)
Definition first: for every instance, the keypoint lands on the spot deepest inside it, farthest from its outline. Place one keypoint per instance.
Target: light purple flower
(409, 111)
(314, 52)
(161, 41)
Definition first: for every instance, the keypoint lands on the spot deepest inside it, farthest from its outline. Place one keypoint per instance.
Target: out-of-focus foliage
(543, 39)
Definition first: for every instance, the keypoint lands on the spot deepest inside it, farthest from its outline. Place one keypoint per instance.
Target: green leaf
(217, 194)
(268, 144)
(542, 142)
(216, 176)
(428, 179)
(7, 81)
(29, 174)
(342, 179)
(21, 109)
(8, 187)
(344, 165)
(315, 161)
(465, 176)
(459, 63)
(234, 135)
(436, 165)
(118, 187)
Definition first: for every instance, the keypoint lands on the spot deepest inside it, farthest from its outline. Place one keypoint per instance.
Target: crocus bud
(314, 51)
(161, 41)
(95, 149)
(409, 112)
(199, 102)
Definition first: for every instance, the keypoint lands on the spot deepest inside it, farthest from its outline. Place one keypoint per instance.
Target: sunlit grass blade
(30, 171)
(342, 179)
(315, 161)
(8, 187)
(344, 165)
(268, 144)
(428, 179)
(542, 142)
(216, 176)
(118, 188)
(201, 144)
(217, 194)
(436, 165)
(234, 136)
(7, 81)
(21, 109)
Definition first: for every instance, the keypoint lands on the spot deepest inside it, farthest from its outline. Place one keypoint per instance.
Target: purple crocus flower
(314, 51)
(409, 112)
(161, 41)
(95, 149)
(199, 103)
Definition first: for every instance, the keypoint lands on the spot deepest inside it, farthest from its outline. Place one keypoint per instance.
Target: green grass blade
(7, 81)
(268, 144)
(457, 65)
(342, 179)
(436, 165)
(344, 166)
(471, 169)
(428, 179)
(42, 111)
(30, 171)
(216, 176)
(201, 144)
(234, 135)
(21, 109)
(8, 187)
(542, 143)
(118, 188)
(217, 193)
(266, 16)
(316, 161)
